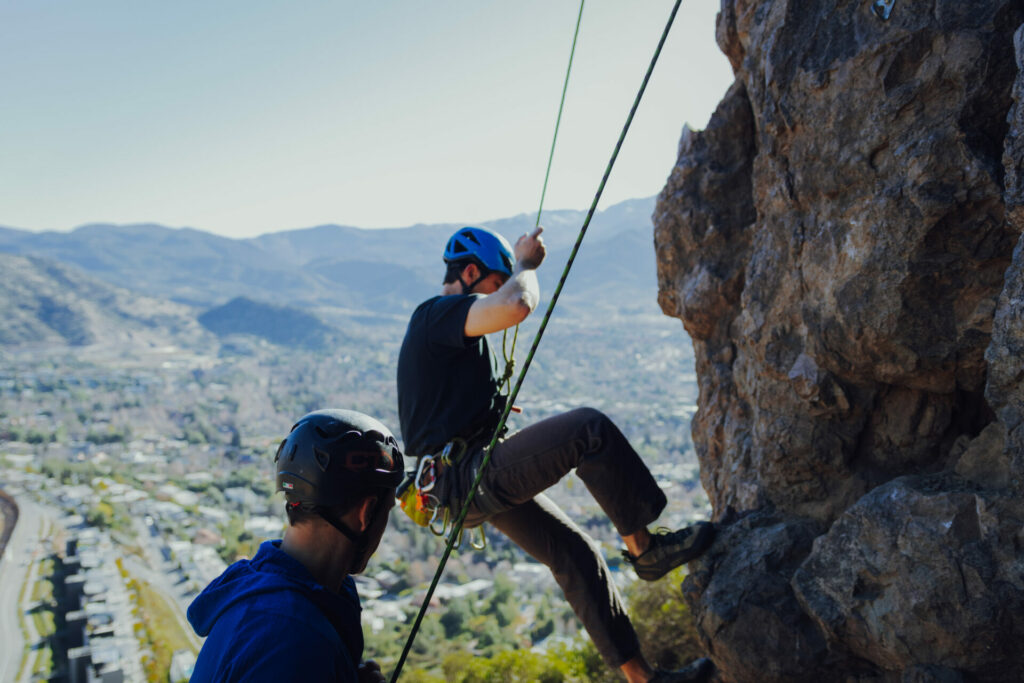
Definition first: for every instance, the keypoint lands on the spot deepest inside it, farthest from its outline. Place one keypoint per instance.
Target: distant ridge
(366, 273)
(277, 324)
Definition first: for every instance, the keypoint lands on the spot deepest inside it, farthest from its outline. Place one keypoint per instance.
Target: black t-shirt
(447, 382)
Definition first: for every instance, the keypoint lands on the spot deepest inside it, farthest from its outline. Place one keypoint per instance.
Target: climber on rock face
(449, 401)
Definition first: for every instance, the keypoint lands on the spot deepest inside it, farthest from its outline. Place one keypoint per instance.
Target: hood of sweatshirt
(270, 576)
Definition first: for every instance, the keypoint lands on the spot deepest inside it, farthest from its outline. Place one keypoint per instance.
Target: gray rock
(931, 674)
(841, 296)
(748, 618)
(923, 571)
(1013, 151)
(839, 243)
(1005, 356)
(983, 461)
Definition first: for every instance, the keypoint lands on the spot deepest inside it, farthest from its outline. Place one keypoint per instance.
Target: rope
(533, 349)
(510, 356)
(558, 120)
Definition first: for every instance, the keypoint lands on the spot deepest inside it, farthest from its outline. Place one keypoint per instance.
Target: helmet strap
(361, 540)
(468, 289)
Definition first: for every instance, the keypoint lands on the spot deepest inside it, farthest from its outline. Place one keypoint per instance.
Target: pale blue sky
(241, 117)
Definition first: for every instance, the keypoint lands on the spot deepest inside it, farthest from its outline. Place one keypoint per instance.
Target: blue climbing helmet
(487, 248)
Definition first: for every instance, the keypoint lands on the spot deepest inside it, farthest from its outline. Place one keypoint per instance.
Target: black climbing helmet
(335, 457)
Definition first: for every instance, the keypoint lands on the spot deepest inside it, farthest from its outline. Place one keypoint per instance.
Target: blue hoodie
(267, 619)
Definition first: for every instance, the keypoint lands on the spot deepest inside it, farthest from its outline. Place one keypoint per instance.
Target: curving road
(14, 570)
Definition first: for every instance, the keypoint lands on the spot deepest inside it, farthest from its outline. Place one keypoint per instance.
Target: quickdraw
(414, 495)
(424, 508)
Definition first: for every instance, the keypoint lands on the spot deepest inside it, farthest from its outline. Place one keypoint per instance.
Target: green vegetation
(237, 541)
(43, 589)
(106, 515)
(43, 666)
(24, 630)
(110, 434)
(42, 615)
(70, 472)
(663, 621)
(482, 644)
(158, 629)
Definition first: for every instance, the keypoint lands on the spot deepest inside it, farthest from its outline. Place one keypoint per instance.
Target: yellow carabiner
(483, 540)
(444, 521)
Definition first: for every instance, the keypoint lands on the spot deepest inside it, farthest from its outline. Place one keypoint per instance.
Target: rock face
(840, 244)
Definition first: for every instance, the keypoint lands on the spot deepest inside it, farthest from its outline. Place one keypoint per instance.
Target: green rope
(505, 383)
(558, 120)
(510, 356)
(457, 527)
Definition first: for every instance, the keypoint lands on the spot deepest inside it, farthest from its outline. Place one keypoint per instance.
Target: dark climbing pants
(529, 461)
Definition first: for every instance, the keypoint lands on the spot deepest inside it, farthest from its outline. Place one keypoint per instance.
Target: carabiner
(427, 461)
(444, 521)
(483, 540)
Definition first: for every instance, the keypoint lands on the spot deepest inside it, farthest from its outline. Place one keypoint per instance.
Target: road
(16, 565)
(19, 564)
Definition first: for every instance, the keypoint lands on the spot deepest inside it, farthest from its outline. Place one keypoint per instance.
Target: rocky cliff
(842, 243)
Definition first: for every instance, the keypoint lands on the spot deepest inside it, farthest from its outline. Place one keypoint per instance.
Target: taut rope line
(533, 348)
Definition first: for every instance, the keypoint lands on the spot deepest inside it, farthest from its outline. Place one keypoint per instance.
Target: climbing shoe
(698, 671)
(669, 549)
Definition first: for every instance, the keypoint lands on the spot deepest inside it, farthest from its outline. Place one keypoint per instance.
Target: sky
(243, 117)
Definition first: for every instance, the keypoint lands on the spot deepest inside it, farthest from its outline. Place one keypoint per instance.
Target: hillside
(277, 324)
(42, 302)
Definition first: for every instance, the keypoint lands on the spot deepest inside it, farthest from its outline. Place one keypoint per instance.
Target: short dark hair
(455, 269)
(298, 514)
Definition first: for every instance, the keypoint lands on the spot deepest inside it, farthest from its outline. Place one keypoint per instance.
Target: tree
(663, 621)
(455, 616)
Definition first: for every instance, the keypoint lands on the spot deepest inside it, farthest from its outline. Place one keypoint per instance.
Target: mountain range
(78, 286)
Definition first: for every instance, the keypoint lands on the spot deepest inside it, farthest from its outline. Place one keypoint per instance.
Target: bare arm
(515, 299)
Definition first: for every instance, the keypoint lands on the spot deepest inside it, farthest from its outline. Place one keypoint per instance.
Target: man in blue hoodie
(291, 613)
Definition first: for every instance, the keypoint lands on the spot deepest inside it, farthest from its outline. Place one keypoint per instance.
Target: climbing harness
(416, 499)
(536, 340)
(882, 8)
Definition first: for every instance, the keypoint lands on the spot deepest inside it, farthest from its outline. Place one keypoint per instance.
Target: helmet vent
(291, 453)
(458, 248)
(322, 459)
(468, 234)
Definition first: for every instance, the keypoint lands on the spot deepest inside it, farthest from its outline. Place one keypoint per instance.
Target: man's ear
(365, 511)
(470, 273)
